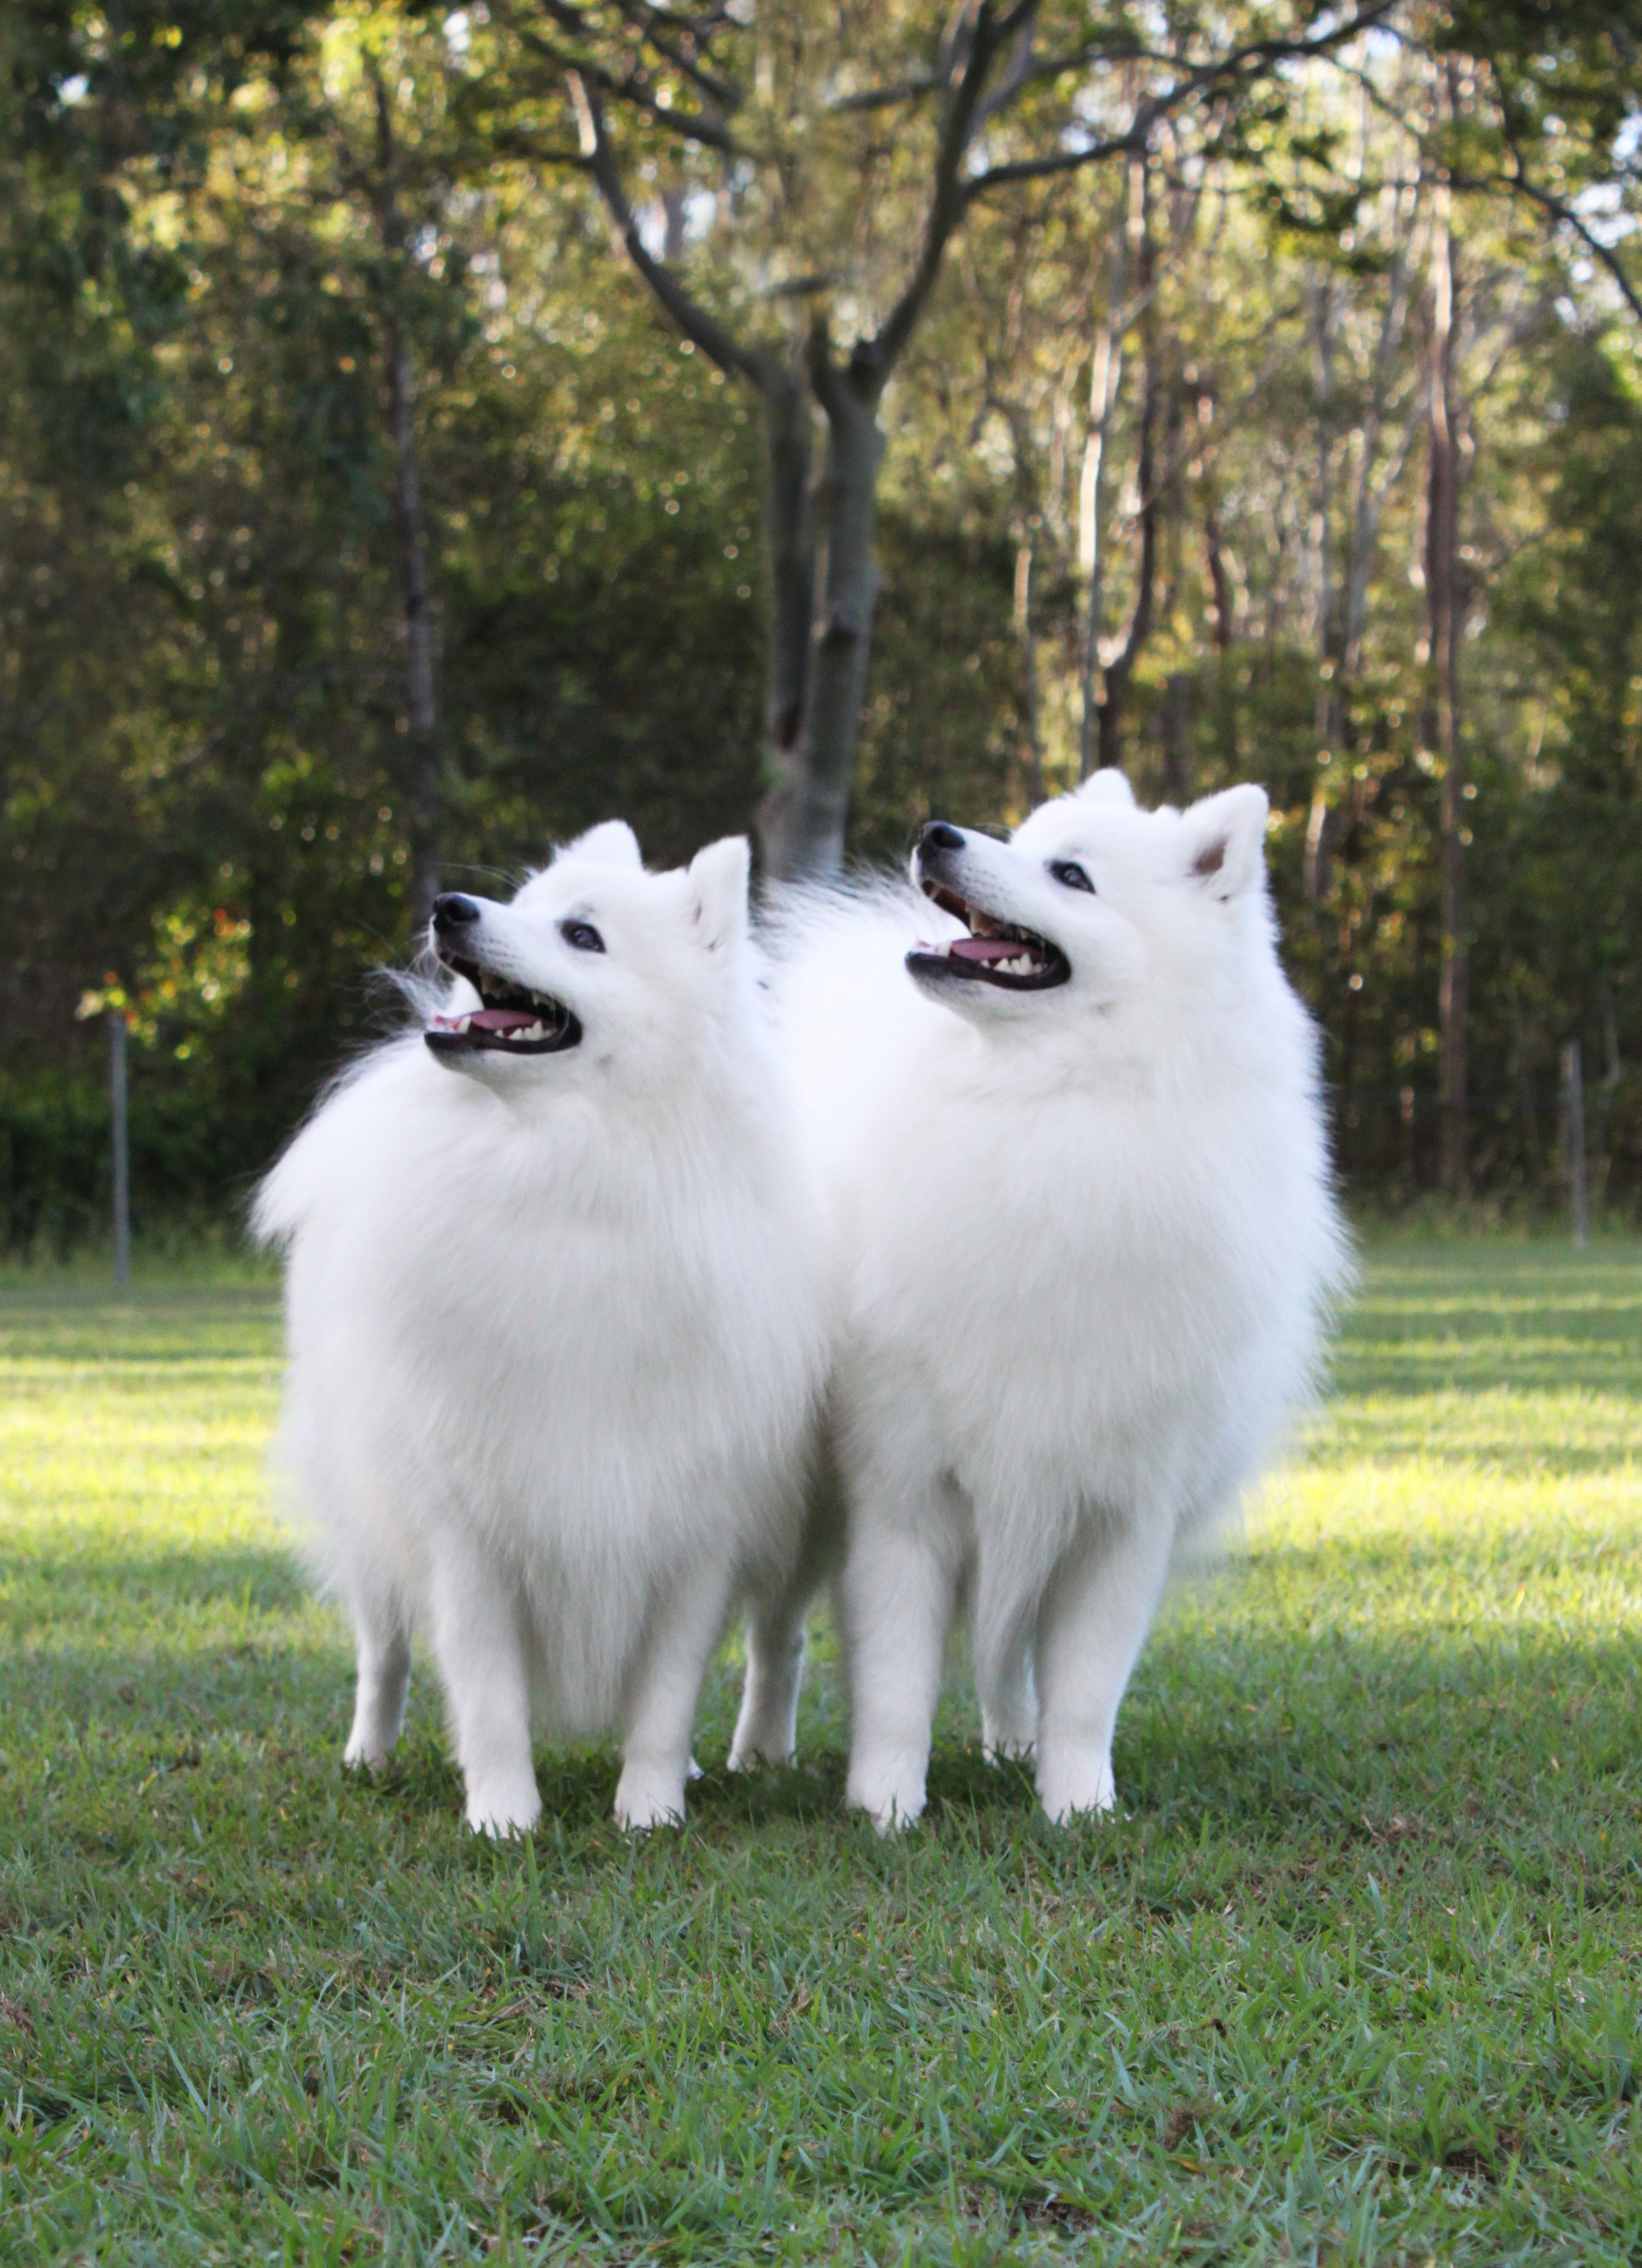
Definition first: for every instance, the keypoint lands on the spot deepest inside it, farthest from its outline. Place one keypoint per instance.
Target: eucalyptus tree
(817, 163)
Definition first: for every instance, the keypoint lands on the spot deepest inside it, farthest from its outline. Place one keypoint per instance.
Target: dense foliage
(226, 225)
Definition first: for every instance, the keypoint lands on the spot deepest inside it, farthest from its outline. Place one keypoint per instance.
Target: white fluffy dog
(553, 1344)
(1079, 1200)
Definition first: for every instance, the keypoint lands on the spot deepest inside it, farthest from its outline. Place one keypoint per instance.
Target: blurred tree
(839, 156)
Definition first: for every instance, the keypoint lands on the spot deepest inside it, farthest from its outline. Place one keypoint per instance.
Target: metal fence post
(1573, 1102)
(122, 1148)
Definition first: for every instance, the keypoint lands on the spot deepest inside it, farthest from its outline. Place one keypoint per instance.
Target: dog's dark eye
(1068, 871)
(582, 935)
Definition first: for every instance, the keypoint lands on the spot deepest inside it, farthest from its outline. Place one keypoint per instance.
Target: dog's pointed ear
(717, 879)
(1225, 838)
(611, 843)
(1108, 785)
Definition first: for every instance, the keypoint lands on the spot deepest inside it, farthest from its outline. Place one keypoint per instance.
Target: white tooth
(465, 1024)
(531, 1032)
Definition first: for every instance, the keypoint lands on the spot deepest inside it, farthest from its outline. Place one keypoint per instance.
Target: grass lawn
(1356, 1978)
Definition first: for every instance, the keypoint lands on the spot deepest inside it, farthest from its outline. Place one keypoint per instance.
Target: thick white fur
(554, 1342)
(1085, 1245)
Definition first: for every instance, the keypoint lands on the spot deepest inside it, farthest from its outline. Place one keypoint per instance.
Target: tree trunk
(1442, 578)
(1120, 672)
(422, 722)
(417, 605)
(790, 567)
(1105, 379)
(1177, 740)
(1028, 669)
(1220, 581)
(801, 821)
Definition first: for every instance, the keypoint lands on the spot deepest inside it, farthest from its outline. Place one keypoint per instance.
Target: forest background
(425, 432)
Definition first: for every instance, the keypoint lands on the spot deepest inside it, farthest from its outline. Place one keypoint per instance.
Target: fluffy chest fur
(581, 1327)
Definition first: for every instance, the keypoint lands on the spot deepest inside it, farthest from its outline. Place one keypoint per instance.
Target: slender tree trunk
(1330, 703)
(1177, 740)
(1121, 671)
(1442, 578)
(790, 566)
(422, 722)
(802, 827)
(416, 604)
(1220, 581)
(1028, 640)
(1105, 379)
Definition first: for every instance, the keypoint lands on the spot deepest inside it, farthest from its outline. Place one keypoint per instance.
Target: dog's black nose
(452, 911)
(938, 836)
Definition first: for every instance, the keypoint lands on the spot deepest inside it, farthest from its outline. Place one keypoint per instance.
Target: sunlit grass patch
(1353, 1979)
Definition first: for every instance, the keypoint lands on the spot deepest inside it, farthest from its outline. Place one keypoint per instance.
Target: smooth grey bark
(802, 815)
(1105, 379)
(416, 613)
(1119, 670)
(1442, 600)
(1025, 635)
(417, 605)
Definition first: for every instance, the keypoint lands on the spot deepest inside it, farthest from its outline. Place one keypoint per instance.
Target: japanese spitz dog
(1076, 1187)
(553, 1332)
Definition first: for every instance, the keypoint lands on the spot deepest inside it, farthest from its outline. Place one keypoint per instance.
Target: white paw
(503, 1812)
(365, 1753)
(755, 1749)
(1007, 1748)
(892, 1797)
(647, 1800)
(1077, 1792)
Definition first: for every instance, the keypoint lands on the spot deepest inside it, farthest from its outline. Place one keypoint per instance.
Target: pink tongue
(504, 1020)
(985, 948)
(489, 1019)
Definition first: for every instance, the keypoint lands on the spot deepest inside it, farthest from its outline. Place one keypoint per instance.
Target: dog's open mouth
(513, 1020)
(994, 952)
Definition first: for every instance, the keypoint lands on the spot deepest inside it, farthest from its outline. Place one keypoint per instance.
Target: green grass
(1356, 1978)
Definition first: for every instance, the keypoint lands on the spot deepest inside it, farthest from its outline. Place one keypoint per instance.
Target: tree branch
(754, 364)
(1221, 75)
(645, 21)
(1561, 211)
(969, 61)
(883, 98)
(703, 125)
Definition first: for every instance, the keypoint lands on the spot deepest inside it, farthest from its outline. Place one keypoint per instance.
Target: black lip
(565, 1032)
(1056, 968)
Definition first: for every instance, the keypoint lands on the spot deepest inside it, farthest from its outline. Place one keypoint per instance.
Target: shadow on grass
(1259, 1736)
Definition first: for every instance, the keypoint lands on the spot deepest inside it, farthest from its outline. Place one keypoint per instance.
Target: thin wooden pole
(121, 1149)
(1573, 1100)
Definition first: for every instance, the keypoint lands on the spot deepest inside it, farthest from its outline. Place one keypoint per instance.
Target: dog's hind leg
(480, 1640)
(382, 1648)
(1094, 1619)
(767, 1728)
(1009, 1696)
(660, 1714)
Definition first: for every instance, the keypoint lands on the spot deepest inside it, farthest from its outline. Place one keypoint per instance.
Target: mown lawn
(1355, 1979)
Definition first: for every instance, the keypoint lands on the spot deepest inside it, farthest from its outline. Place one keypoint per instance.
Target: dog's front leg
(662, 1694)
(479, 1640)
(1094, 1622)
(895, 1600)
